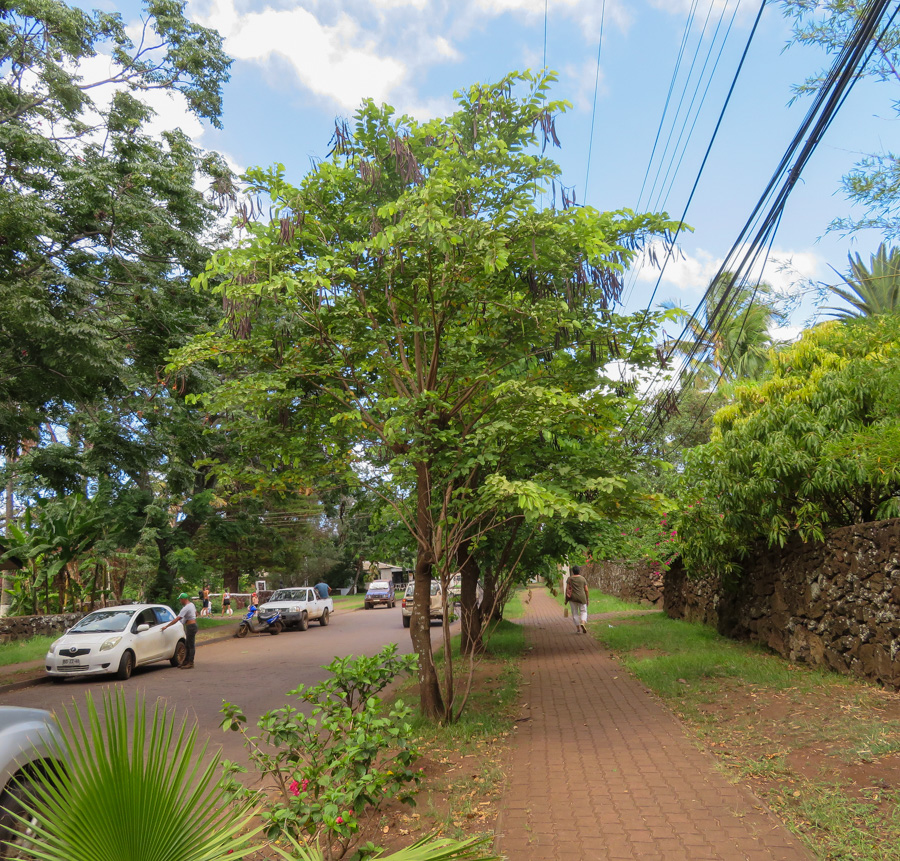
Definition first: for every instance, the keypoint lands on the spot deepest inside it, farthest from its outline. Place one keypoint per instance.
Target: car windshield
(379, 584)
(288, 595)
(104, 622)
(435, 589)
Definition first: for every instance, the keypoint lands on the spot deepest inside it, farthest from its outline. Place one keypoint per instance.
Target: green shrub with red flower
(650, 538)
(328, 772)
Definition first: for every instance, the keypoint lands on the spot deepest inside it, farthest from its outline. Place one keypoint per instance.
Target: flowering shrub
(328, 771)
(647, 539)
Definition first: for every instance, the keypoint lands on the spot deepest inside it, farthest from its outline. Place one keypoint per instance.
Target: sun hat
(183, 595)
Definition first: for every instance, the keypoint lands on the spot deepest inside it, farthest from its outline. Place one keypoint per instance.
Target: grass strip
(813, 744)
(22, 651)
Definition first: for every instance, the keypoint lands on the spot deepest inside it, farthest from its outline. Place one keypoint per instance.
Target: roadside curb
(43, 678)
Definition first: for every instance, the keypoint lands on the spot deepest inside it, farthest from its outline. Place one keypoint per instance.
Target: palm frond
(134, 790)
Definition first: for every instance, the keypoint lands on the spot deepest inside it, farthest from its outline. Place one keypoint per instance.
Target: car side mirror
(142, 628)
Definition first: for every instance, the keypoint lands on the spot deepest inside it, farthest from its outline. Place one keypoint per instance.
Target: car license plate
(71, 662)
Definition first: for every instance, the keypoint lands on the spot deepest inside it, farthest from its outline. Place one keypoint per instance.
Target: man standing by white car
(188, 617)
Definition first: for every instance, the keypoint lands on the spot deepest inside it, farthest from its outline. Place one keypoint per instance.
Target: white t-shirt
(188, 614)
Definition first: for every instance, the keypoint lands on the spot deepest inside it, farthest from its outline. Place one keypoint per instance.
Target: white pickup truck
(299, 605)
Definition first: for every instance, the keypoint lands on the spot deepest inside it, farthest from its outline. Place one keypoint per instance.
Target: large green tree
(102, 227)
(411, 315)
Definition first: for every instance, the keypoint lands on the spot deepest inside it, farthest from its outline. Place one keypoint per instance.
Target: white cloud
(586, 13)
(785, 270)
(786, 333)
(339, 62)
(346, 50)
(583, 79)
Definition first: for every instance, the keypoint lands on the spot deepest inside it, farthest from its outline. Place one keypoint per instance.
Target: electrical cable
(662, 200)
(662, 119)
(587, 171)
(665, 191)
(831, 96)
(684, 90)
(712, 141)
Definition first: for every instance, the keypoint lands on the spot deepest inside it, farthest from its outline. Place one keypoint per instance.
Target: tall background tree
(870, 289)
(102, 227)
(729, 336)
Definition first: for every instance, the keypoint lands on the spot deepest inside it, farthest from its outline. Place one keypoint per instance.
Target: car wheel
(276, 628)
(15, 835)
(325, 618)
(406, 621)
(393, 604)
(243, 630)
(126, 666)
(303, 624)
(367, 606)
(180, 654)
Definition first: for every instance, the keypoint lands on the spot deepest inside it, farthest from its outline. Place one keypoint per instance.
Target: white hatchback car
(116, 640)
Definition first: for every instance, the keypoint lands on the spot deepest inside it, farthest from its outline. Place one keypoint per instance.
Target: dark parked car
(380, 592)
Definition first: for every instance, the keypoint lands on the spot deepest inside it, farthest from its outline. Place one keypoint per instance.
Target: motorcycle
(254, 622)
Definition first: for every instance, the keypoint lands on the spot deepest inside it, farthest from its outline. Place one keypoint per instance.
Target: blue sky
(300, 64)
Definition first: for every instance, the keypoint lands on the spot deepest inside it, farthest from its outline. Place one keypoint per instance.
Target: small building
(385, 571)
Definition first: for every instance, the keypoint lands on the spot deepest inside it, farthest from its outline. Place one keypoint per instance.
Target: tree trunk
(430, 700)
(470, 610)
(232, 576)
(5, 580)
(163, 587)
(359, 571)
(494, 607)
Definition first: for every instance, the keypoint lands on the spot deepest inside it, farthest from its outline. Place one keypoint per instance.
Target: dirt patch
(825, 758)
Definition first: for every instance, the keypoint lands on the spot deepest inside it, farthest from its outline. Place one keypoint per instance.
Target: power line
(829, 99)
(661, 202)
(587, 171)
(712, 141)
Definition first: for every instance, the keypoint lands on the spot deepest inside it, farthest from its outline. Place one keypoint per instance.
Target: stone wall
(835, 604)
(635, 582)
(22, 627)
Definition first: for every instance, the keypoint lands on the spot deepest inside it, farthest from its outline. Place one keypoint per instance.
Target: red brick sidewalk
(601, 769)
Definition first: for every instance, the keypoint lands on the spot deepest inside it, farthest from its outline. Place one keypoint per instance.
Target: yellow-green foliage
(815, 446)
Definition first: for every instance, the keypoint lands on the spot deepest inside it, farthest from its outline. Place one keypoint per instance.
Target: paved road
(254, 673)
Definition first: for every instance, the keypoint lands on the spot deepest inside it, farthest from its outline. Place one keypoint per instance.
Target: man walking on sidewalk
(188, 617)
(577, 596)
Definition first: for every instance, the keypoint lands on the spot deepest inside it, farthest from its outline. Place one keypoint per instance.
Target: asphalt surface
(254, 673)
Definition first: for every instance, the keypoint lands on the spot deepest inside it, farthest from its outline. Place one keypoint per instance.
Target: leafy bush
(332, 768)
(815, 447)
(152, 797)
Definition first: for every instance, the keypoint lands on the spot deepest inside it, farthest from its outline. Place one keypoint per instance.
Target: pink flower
(304, 784)
(294, 788)
(340, 820)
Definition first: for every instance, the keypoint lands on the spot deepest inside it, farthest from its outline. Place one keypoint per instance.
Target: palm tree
(728, 336)
(876, 288)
